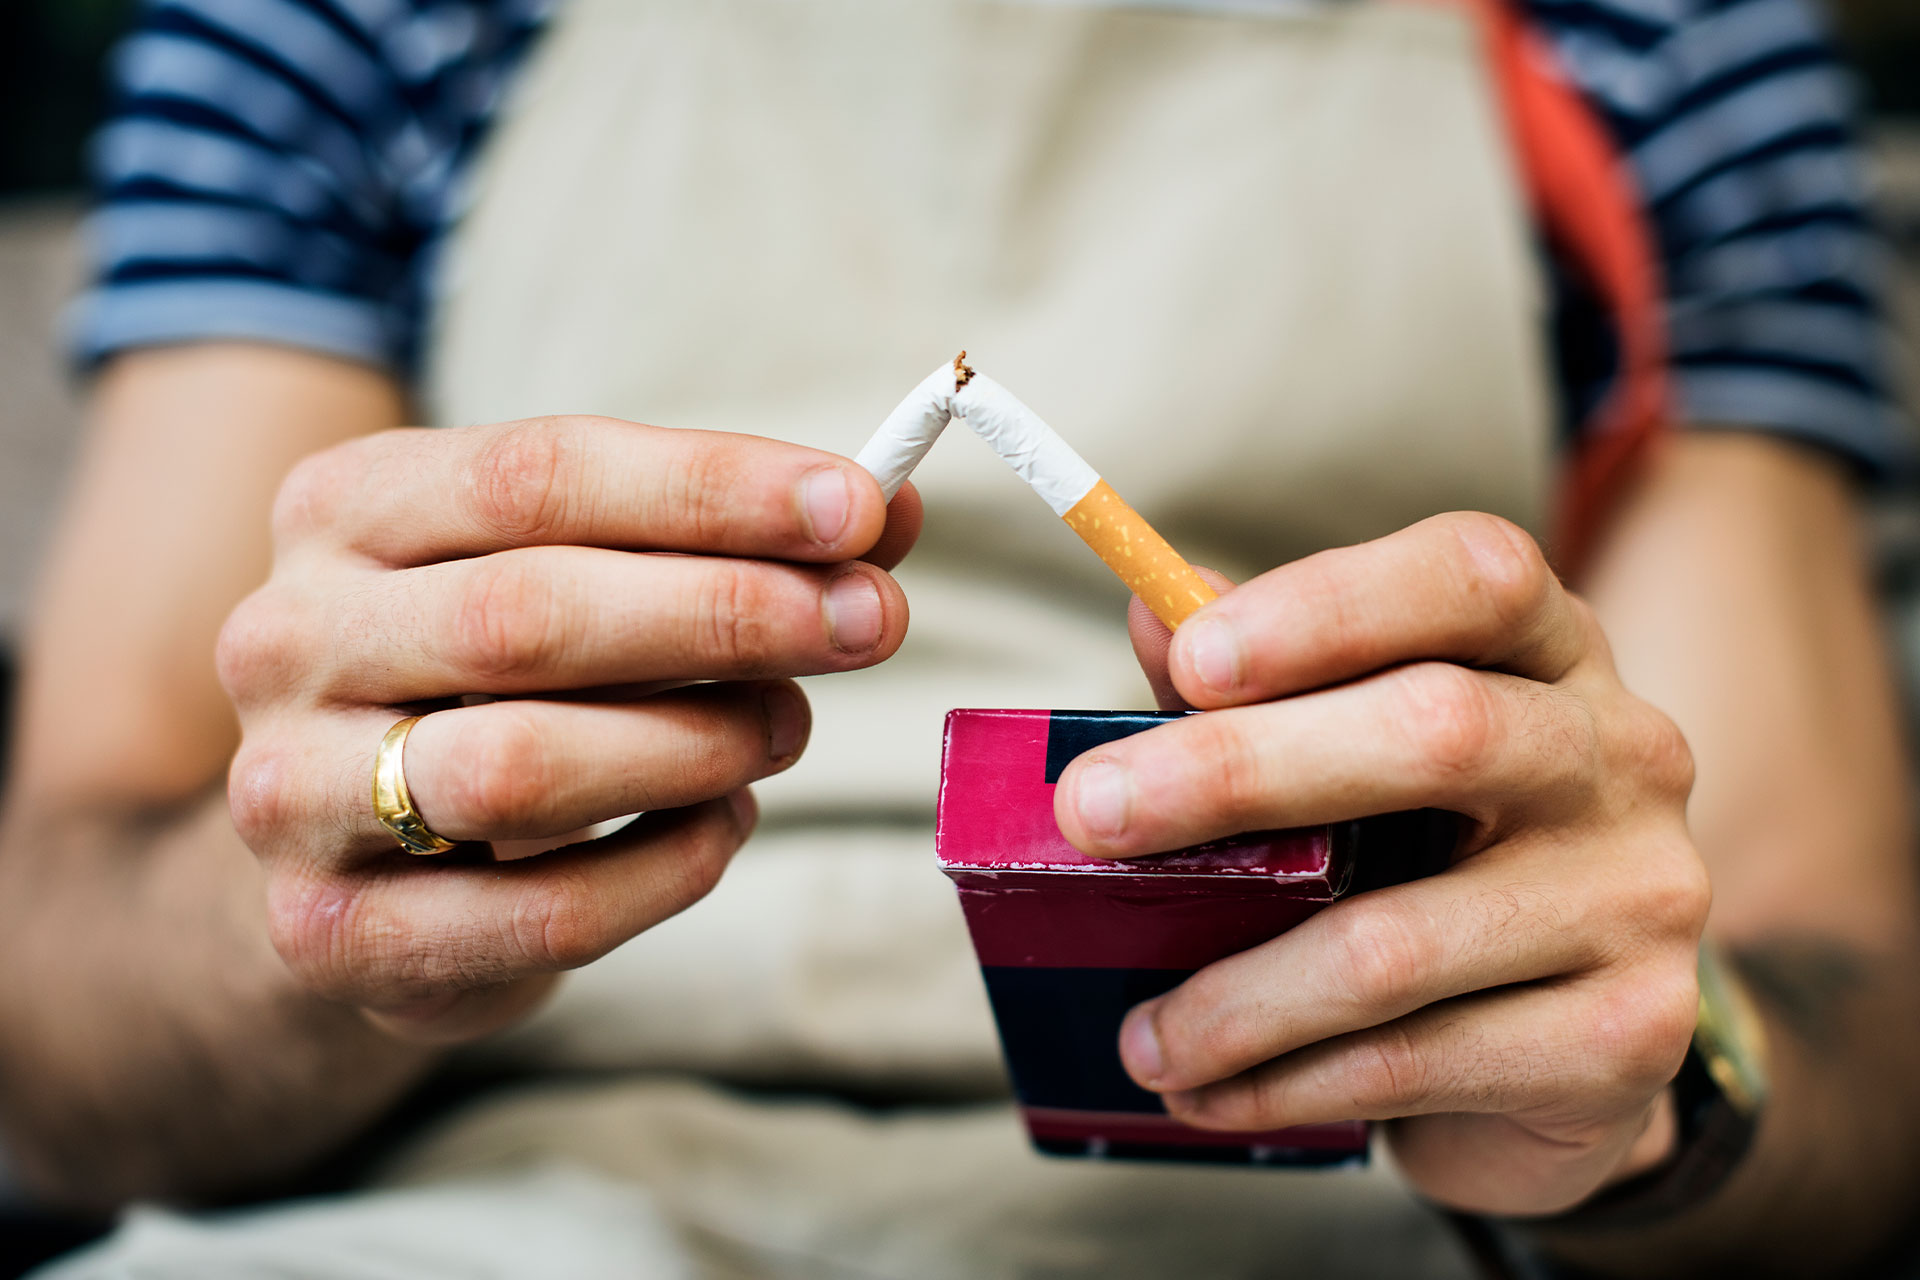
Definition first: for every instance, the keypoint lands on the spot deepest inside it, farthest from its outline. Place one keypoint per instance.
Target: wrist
(1712, 1106)
(1697, 1131)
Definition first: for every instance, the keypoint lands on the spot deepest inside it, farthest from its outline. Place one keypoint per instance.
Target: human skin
(532, 578)
(191, 1019)
(1517, 1017)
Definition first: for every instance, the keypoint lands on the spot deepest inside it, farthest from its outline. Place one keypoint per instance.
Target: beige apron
(1263, 265)
(1265, 268)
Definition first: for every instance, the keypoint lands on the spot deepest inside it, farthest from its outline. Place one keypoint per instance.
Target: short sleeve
(277, 170)
(1738, 126)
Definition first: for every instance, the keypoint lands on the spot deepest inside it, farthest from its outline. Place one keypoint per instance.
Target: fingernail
(1214, 653)
(1140, 1046)
(786, 721)
(746, 810)
(826, 503)
(1102, 796)
(855, 616)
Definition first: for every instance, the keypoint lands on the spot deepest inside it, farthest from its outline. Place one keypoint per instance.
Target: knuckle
(1586, 624)
(519, 487)
(258, 644)
(1449, 715)
(341, 943)
(313, 495)
(312, 924)
(1679, 895)
(1388, 1071)
(1384, 959)
(701, 868)
(730, 618)
(712, 761)
(1662, 755)
(1694, 897)
(691, 481)
(236, 651)
(1572, 752)
(504, 626)
(1501, 561)
(1197, 1037)
(505, 783)
(1266, 1100)
(260, 793)
(1676, 1015)
(1321, 587)
(1233, 784)
(1641, 1032)
(697, 865)
(553, 925)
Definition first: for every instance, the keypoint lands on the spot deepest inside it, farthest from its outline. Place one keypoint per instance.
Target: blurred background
(51, 53)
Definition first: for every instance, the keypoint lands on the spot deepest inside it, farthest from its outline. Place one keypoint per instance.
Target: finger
(521, 769)
(1433, 735)
(1599, 1049)
(415, 930)
(905, 514)
(1151, 639)
(417, 496)
(457, 1017)
(526, 770)
(1372, 959)
(1464, 588)
(546, 618)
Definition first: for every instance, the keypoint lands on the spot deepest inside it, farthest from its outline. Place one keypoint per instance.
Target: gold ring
(393, 803)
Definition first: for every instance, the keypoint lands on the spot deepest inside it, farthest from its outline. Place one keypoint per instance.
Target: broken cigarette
(1141, 557)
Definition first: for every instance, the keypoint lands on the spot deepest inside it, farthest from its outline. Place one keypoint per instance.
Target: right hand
(585, 573)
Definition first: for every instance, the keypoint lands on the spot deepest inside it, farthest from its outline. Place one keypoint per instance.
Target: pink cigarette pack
(1068, 943)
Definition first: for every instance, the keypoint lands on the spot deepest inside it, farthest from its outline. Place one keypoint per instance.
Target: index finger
(422, 495)
(1466, 588)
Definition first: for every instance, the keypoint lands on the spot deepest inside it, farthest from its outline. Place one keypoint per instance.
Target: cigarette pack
(1068, 943)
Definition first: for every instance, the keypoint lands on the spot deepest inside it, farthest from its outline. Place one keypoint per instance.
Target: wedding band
(393, 803)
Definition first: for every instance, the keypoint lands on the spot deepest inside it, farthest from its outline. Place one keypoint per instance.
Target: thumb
(904, 516)
(1152, 638)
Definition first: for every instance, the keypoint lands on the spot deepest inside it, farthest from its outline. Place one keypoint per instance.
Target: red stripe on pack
(1145, 1128)
(1584, 197)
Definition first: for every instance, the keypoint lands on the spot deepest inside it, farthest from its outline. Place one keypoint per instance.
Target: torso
(1263, 266)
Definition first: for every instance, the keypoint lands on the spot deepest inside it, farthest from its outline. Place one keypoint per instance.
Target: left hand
(1518, 1016)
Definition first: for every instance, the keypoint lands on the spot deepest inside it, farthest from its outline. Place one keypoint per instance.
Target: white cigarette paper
(1015, 432)
(1116, 532)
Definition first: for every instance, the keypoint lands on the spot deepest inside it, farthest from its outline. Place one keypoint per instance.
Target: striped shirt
(283, 170)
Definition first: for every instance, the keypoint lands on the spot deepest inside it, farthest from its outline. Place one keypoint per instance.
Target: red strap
(1584, 197)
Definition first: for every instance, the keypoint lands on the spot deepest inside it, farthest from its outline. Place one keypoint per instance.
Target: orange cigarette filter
(1143, 559)
(1061, 477)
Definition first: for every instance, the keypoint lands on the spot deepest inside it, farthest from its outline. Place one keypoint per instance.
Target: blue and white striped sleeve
(1738, 124)
(272, 170)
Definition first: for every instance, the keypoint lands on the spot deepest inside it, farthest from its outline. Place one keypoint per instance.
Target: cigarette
(1116, 532)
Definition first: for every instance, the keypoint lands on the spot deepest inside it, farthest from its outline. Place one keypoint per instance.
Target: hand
(585, 573)
(1518, 1016)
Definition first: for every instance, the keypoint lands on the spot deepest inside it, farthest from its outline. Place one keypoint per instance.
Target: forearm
(151, 1042)
(1829, 1181)
(1736, 594)
(179, 1060)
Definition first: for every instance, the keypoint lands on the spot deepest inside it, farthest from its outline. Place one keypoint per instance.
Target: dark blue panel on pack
(1061, 1027)
(1073, 733)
